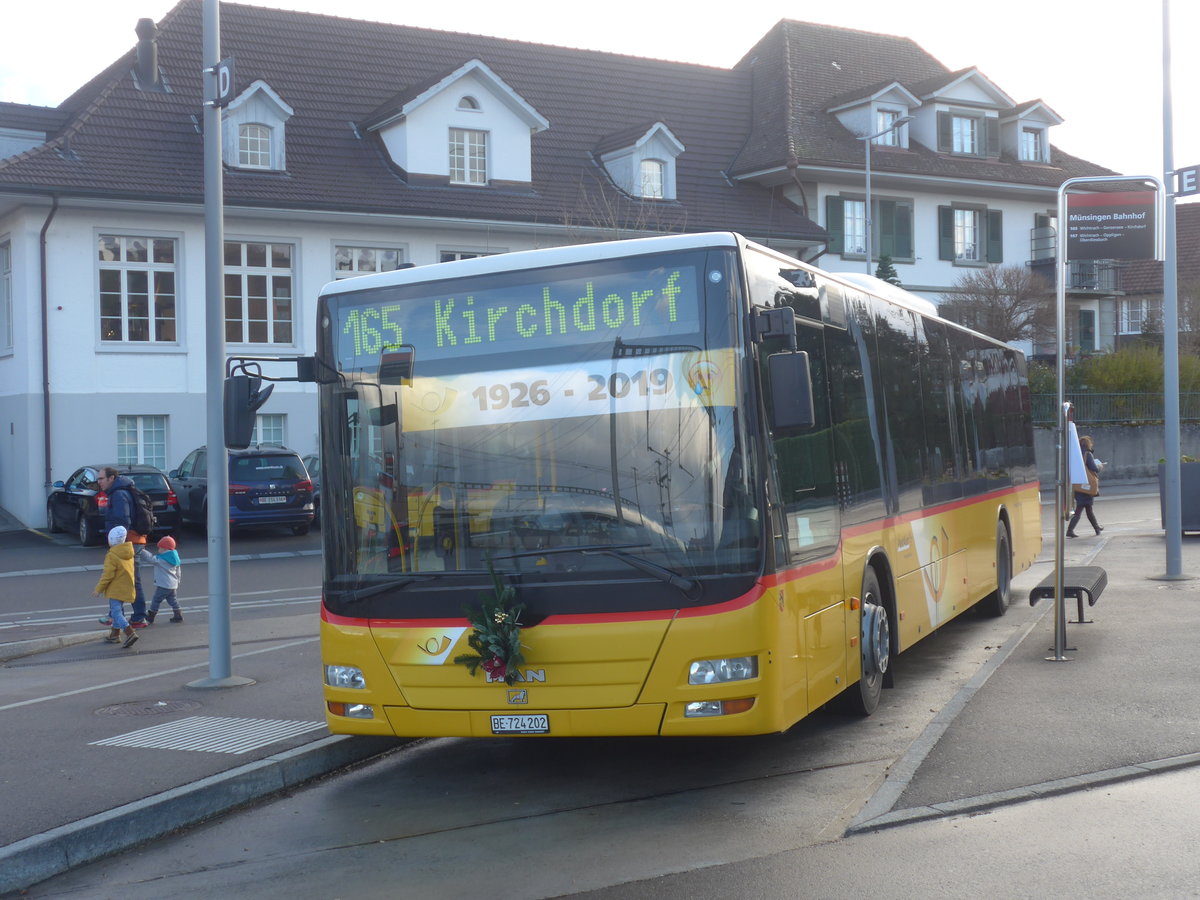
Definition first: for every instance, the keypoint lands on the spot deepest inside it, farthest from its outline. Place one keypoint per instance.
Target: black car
(78, 504)
(312, 462)
(268, 486)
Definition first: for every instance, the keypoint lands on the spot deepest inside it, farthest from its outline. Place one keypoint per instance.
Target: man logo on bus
(529, 675)
(518, 697)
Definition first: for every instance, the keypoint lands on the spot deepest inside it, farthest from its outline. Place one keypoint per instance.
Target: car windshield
(253, 469)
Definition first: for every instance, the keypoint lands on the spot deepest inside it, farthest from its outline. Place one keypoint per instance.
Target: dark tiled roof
(1146, 277)
(45, 119)
(335, 72)
(801, 70)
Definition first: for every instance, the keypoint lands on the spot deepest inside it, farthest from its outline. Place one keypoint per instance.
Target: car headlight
(345, 677)
(718, 671)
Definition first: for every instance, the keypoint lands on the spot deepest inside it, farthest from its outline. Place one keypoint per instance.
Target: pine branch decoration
(496, 634)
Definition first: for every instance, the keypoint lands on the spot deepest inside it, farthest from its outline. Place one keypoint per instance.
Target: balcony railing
(1084, 276)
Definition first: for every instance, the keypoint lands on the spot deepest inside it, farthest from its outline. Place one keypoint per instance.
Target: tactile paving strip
(212, 734)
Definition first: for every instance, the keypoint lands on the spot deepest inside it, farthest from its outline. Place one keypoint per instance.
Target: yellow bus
(683, 485)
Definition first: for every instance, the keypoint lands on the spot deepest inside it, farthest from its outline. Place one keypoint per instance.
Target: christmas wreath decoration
(496, 634)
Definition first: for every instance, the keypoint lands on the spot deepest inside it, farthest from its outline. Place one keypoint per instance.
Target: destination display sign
(1111, 226)
(635, 300)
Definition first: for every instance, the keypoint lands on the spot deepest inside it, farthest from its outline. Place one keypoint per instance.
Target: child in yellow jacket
(116, 583)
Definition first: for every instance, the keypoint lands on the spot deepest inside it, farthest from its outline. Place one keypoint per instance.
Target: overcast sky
(1097, 63)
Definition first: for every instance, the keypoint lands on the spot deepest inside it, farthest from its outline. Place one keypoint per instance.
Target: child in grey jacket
(167, 573)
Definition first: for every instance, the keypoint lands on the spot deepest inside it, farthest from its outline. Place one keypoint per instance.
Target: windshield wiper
(690, 587)
(358, 595)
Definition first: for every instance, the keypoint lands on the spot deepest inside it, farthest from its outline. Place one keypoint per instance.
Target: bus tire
(875, 645)
(996, 603)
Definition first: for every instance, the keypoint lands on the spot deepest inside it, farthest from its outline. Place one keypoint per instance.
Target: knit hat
(167, 543)
(117, 536)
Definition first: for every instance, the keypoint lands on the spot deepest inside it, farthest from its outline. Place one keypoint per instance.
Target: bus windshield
(572, 422)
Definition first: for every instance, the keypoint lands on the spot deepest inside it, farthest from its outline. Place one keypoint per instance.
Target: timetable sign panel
(1111, 226)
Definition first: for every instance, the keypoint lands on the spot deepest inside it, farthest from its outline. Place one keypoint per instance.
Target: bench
(1079, 582)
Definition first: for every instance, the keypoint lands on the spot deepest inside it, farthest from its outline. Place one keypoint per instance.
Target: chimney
(146, 69)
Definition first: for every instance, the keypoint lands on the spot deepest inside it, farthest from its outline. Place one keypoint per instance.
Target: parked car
(268, 487)
(78, 504)
(312, 462)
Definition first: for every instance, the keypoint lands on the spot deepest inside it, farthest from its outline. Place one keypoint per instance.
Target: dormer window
(885, 121)
(641, 160)
(1033, 145)
(254, 131)
(469, 102)
(968, 134)
(468, 156)
(653, 178)
(254, 146)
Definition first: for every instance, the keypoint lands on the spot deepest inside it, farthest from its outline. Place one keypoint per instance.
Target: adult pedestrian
(1085, 498)
(119, 511)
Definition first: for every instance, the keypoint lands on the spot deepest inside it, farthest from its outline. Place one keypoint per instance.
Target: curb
(41, 856)
(17, 649)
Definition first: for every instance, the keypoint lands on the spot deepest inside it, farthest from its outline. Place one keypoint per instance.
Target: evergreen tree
(885, 271)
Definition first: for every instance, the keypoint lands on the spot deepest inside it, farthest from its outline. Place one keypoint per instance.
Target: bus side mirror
(244, 394)
(791, 391)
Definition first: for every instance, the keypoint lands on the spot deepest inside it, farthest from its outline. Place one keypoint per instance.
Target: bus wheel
(875, 640)
(996, 603)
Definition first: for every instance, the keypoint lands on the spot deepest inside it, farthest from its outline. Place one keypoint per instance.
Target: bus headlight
(351, 710)
(704, 708)
(345, 677)
(717, 671)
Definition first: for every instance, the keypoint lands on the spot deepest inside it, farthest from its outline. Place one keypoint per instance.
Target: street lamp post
(866, 139)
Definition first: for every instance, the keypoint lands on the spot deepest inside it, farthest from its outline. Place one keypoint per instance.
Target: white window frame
(6, 293)
(468, 156)
(451, 254)
(968, 235)
(652, 179)
(887, 118)
(142, 439)
(161, 320)
(270, 428)
(965, 134)
(254, 145)
(353, 259)
(854, 227)
(280, 330)
(1033, 144)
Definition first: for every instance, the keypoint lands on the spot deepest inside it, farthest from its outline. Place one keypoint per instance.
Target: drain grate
(149, 708)
(212, 734)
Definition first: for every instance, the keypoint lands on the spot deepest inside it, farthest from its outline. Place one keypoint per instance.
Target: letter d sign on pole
(224, 71)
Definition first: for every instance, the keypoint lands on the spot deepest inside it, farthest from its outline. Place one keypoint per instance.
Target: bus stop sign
(1111, 226)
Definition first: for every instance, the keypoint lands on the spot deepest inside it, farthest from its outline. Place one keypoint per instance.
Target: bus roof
(529, 259)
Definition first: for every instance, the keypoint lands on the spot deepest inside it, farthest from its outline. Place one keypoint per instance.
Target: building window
(350, 261)
(6, 312)
(468, 156)
(452, 255)
(258, 293)
(1031, 145)
(469, 102)
(964, 135)
(970, 235)
(652, 177)
(1133, 316)
(268, 429)
(137, 289)
(142, 439)
(891, 227)
(886, 118)
(254, 146)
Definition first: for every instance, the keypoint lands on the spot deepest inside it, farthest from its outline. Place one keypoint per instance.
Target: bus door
(806, 519)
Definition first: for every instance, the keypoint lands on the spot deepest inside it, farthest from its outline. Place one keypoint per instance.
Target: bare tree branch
(1009, 303)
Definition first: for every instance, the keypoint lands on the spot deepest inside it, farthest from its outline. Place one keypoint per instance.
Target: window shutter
(834, 223)
(944, 137)
(886, 232)
(945, 232)
(992, 128)
(995, 236)
(904, 231)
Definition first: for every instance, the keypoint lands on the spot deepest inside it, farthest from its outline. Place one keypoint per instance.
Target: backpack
(141, 512)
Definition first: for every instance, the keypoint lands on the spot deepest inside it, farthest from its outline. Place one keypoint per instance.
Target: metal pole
(1061, 467)
(219, 643)
(867, 210)
(1172, 507)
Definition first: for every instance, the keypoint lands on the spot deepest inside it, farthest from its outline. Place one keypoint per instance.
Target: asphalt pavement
(1121, 706)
